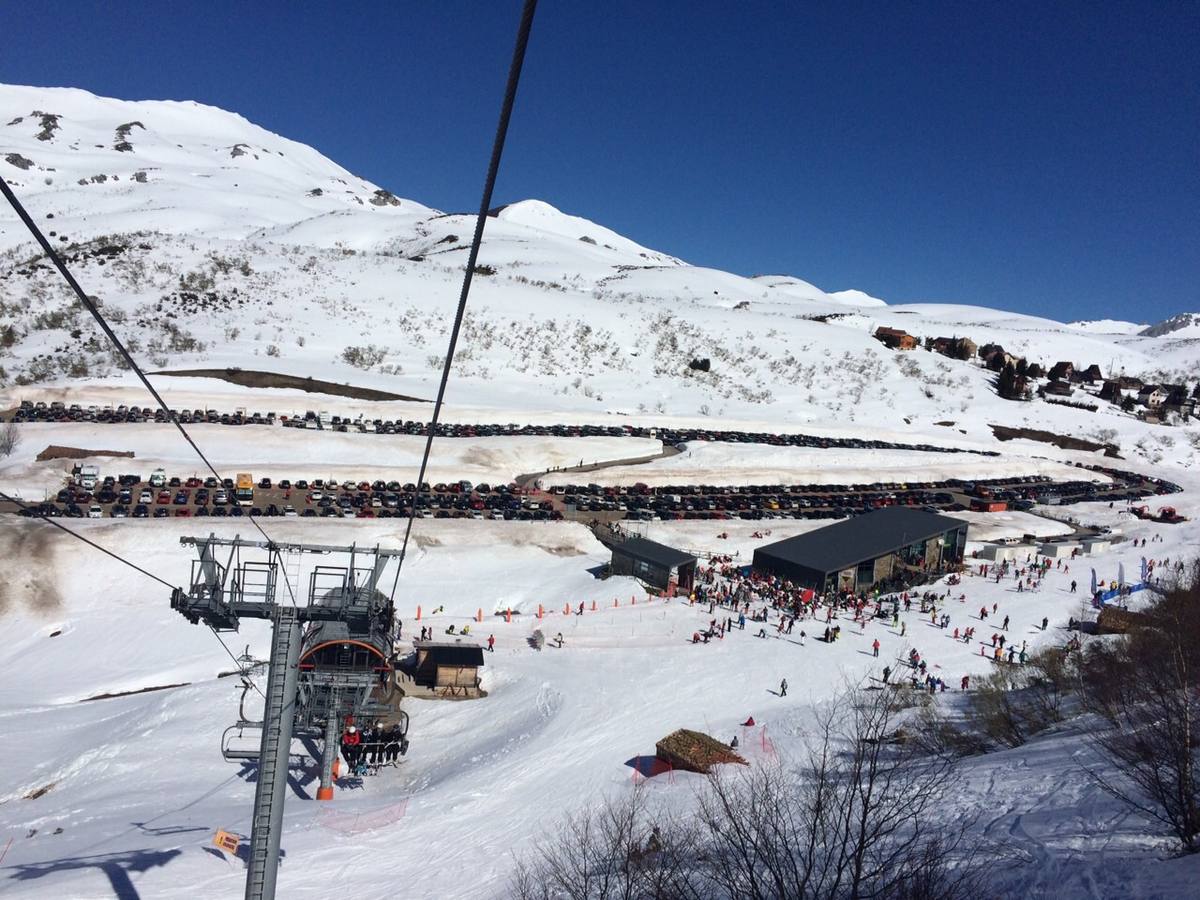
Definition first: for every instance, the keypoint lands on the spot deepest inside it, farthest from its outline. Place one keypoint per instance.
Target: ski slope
(213, 243)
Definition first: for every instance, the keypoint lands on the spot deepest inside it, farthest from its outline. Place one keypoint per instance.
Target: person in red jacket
(491, 643)
(352, 747)
(875, 646)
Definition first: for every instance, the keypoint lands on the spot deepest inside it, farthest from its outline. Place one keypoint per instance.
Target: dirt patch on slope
(247, 378)
(30, 550)
(1062, 441)
(56, 452)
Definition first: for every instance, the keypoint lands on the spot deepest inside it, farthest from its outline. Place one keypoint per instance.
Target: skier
(783, 688)
(966, 681)
(875, 648)
(491, 643)
(1072, 587)
(802, 637)
(1004, 627)
(887, 673)
(903, 628)
(351, 747)
(1045, 622)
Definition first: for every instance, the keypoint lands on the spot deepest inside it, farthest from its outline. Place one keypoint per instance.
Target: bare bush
(366, 357)
(10, 438)
(858, 817)
(1146, 689)
(616, 850)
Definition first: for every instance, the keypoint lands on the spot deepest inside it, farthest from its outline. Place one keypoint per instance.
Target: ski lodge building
(857, 553)
(657, 565)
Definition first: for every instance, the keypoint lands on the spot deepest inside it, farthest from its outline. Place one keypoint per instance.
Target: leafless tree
(614, 851)
(861, 817)
(1146, 688)
(10, 438)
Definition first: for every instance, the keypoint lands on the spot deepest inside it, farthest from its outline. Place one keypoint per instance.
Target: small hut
(694, 751)
(449, 669)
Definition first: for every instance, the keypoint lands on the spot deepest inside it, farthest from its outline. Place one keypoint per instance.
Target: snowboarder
(783, 688)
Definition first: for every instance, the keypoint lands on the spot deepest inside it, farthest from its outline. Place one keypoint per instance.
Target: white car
(145, 497)
(289, 510)
(317, 495)
(95, 512)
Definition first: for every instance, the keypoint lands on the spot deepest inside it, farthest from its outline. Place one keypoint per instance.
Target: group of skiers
(372, 747)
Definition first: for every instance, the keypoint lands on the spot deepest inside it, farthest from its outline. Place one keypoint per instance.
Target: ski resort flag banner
(1094, 585)
(1120, 573)
(1144, 568)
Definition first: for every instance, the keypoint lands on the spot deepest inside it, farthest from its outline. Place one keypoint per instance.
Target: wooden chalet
(1091, 374)
(1111, 391)
(1058, 389)
(1062, 371)
(895, 339)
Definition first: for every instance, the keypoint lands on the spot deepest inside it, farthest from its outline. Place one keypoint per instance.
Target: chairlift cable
(91, 307)
(510, 95)
(34, 511)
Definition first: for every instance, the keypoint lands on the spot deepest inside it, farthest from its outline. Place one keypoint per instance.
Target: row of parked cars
(58, 411)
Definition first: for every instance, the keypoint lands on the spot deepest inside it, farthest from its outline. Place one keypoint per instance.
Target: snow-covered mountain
(215, 242)
(212, 243)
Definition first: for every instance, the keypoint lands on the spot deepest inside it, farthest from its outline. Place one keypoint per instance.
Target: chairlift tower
(344, 611)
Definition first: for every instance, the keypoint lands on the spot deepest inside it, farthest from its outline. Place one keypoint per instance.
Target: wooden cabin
(450, 669)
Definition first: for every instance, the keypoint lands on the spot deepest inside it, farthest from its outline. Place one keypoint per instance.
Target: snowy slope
(235, 247)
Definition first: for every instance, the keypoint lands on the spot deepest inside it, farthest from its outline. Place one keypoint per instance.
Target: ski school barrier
(1102, 597)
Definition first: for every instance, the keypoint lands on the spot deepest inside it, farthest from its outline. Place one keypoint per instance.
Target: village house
(1111, 391)
(954, 347)
(1091, 374)
(1129, 383)
(1062, 371)
(895, 339)
(1057, 388)
(1152, 396)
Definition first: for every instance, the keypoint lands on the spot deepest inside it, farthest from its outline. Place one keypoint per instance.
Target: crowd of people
(735, 594)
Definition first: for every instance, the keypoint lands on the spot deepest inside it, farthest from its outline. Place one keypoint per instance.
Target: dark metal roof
(657, 554)
(444, 653)
(858, 539)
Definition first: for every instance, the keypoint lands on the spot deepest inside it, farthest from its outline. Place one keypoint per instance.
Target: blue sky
(1040, 157)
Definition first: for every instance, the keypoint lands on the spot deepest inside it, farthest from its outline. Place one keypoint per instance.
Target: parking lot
(131, 496)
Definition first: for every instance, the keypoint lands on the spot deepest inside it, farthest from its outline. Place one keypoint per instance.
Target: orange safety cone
(418, 614)
(324, 793)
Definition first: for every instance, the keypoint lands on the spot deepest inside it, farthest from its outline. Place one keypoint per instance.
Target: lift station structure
(331, 660)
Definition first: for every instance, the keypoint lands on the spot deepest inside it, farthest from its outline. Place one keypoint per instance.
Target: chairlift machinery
(331, 661)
